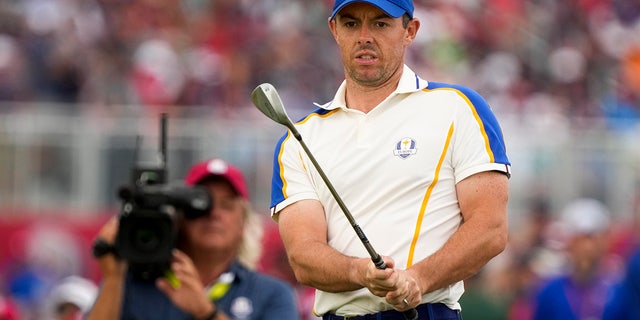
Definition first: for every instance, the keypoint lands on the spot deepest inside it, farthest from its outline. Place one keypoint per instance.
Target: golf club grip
(380, 264)
(411, 314)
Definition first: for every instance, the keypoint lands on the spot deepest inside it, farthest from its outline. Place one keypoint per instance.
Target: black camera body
(151, 208)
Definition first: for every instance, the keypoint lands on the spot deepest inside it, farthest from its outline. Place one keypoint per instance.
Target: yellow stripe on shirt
(427, 196)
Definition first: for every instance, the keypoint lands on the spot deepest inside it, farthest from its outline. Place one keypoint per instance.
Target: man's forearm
(108, 304)
(303, 229)
(326, 269)
(482, 235)
(466, 252)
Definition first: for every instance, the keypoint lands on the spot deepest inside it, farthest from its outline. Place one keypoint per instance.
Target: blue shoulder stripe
(486, 116)
(277, 180)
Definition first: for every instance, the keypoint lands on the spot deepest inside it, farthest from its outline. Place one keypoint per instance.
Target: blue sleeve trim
(487, 117)
(277, 182)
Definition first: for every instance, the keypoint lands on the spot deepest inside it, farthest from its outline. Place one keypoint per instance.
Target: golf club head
(266, 99)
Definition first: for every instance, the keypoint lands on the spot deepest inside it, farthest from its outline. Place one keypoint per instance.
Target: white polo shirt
(395, 168)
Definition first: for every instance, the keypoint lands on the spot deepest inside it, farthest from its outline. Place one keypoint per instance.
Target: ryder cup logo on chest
(405, 147)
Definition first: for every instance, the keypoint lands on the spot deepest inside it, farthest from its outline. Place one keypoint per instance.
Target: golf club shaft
(411, 314)
(375, 257)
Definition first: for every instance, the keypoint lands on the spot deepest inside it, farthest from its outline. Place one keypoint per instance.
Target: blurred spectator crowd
(540, 60)
(543, 58)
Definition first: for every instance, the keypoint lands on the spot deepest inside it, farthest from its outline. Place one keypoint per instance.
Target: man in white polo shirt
(422, 166)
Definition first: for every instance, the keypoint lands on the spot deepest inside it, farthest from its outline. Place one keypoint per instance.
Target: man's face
(222, 228)
(372, 44)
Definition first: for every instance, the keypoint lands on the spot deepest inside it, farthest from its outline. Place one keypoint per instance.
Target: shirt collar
(409, 82)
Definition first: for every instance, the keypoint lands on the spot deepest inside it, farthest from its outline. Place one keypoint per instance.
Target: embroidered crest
(241, 308)
(405, 147)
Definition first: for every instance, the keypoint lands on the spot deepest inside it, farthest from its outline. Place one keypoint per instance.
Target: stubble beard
(371, 77)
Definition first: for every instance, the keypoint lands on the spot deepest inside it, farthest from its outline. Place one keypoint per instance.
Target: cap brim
(390, 9)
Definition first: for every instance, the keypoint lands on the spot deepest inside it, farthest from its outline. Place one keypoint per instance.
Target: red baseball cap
(217, 167)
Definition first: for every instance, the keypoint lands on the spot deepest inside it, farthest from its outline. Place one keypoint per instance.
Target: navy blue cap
(394, 8)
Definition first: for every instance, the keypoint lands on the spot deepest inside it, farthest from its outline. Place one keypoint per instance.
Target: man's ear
(412, 30)
(332, 27)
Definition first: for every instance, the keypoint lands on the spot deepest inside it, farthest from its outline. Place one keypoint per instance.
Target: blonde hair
(251, 246)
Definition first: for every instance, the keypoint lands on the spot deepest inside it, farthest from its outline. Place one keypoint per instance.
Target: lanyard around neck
(221, 287)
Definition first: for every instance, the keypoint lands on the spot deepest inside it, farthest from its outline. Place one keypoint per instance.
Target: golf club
(266, 99)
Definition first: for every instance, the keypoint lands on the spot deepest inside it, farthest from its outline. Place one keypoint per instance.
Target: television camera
(150, 209)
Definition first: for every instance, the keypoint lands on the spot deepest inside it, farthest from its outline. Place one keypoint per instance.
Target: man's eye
(381, 24)
(350, 24)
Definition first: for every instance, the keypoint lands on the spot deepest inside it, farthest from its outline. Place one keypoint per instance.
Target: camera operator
(213, 264)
